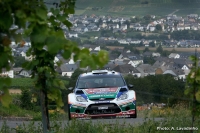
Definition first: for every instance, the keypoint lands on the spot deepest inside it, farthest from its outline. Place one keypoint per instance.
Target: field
(154, 49)
(22, 82)
(136, 7)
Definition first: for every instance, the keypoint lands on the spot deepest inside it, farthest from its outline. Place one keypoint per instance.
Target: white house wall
(68, 74)
(8, 73)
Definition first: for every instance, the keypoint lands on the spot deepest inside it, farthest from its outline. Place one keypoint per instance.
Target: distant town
(124, 60)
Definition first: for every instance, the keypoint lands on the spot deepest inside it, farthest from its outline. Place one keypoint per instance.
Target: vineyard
(22, 82)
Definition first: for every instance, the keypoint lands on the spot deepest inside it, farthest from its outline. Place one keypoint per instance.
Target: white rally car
(101, 94)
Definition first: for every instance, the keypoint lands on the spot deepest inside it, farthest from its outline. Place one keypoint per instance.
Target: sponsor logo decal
(102, 99)
(102, 102)
(103, 112)
(100, 90)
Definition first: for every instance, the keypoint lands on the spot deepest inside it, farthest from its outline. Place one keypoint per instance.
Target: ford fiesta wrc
(101, 94)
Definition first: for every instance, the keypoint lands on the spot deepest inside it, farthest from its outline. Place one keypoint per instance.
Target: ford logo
(101, 98)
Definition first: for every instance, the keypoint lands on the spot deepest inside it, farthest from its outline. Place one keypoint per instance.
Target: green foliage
(47, 39)
(185, 34)
(18, 61)
(158, 27)
(157, 88)
(74, 77)
(16, 111)
(22, 82)
(192, 86)
(159, 49)
(25, 99)
(149, 60)
(146, 49)
(115, 52)
(152, 44)
(171, 117)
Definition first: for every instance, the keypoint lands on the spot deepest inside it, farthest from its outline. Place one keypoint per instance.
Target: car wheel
(135, 116)
(69, 114)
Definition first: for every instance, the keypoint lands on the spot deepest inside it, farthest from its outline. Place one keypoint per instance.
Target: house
(73, 34)
(110, 65)
(22, 52)
(175, 67)
(174, 55)
(192, 16)
(147, 54)
(124, 26)
(131, 25)
(187, 27)
(25, 73)
(176, 72)
(154, 54)
(145, 70)
(152, 28)
(6, 73)
(123, 41)
(126, 55)
(135, 60)
(66, 69)
(17, 70)
(135, 41)
(180, 27)
(91, 47)
(85, 29)
(127, 69)
(113, 56)
(160, 70)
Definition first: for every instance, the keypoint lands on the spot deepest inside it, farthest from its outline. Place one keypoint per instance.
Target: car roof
(99, 72)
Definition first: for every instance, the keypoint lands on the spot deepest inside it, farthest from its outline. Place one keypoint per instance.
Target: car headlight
(123, 96)
(80, 99)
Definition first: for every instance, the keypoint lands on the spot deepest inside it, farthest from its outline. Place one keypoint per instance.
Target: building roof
(68, 67)
(126, 68)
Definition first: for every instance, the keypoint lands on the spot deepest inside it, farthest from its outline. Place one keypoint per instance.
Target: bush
(26, 100)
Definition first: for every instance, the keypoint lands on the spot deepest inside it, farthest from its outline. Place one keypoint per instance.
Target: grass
(178, 116)
(172, 117)
(79, 12)
(14, 111)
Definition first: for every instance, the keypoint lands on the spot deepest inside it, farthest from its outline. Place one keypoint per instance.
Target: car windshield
(100, 81)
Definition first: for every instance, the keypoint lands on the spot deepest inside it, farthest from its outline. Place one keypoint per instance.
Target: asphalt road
(137, 121)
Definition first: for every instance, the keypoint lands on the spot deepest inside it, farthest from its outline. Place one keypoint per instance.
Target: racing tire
(69, 115)
(135, 115)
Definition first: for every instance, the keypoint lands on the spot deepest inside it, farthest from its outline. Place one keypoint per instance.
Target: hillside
(136, 7)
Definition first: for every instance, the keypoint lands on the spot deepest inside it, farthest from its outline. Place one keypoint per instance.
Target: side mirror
(70, 88)
(130, 86)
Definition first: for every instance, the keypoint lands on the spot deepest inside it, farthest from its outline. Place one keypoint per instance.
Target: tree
(146, 49)
(158, 27)
(25, 99)
(47, 39)
(136, 51)
(192, 87)
(159, 49)
(135, 20)
(74, 77)
(149, 60)
(18, 61)
(152, 44)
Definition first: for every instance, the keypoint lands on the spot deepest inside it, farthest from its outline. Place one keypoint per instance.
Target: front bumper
(124, 114)
(113, 110)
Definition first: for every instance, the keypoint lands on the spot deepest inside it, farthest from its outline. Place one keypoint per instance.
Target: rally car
(102, 94)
